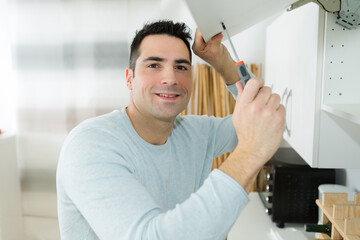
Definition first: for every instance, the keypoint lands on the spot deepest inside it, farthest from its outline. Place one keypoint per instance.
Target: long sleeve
(117, 206)
(107, 190)
(233, 90)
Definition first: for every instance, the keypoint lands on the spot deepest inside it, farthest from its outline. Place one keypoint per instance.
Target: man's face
(161, 85)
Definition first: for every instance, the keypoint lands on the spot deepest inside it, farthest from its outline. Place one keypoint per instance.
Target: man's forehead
(161, 45)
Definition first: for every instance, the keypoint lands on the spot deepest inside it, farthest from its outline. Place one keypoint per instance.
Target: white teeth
(164, 95)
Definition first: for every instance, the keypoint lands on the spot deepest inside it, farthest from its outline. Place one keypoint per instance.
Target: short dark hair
(179, 30)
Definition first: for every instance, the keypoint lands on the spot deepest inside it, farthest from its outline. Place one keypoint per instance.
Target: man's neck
(152, 130)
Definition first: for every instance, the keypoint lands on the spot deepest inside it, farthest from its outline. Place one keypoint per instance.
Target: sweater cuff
(236, 188)
(233, 90)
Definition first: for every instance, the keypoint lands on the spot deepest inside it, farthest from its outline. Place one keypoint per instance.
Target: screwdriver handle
(244, 74)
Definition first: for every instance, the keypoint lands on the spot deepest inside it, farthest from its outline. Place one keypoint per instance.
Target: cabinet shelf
(350, 112)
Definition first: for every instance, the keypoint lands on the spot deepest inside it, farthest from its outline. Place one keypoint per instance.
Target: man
(144, 172)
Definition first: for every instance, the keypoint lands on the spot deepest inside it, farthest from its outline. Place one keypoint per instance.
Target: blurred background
(61, 62)
(64, 62)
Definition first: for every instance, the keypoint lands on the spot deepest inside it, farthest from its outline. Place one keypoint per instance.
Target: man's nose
(169, 76)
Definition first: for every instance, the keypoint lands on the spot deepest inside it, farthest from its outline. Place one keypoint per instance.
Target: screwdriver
(245, 75)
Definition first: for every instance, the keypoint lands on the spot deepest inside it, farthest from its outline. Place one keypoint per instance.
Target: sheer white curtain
(69, 59)
(7, 79)
(65, 62)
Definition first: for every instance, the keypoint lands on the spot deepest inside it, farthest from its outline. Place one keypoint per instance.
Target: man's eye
(181, 67)
(153, 65)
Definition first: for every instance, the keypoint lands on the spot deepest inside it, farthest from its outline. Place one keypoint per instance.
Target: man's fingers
(199, 43)
(217, 38)
(281, 110)
(240, 89)
(252, 89)
(264, 95)
(274, 101)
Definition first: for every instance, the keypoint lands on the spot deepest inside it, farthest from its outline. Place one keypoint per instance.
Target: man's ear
(129, 78)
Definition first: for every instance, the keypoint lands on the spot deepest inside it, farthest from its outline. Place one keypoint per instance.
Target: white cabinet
(313, 63)
(309, 59)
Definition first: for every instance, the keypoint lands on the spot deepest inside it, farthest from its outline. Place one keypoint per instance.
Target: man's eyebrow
(160, 59)
(182, 61)
(153, 58)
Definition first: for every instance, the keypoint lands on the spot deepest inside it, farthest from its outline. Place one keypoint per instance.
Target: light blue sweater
(112, 184)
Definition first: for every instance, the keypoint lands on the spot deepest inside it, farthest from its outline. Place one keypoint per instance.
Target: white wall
(250, 44)
(352, 179)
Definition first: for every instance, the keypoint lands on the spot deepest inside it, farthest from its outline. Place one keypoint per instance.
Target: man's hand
(216, 54)
(258, 120)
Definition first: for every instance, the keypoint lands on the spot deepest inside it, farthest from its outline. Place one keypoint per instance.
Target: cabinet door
(237, 15)
(293, 64)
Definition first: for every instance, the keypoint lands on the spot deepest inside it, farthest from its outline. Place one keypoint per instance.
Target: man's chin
(167, 116)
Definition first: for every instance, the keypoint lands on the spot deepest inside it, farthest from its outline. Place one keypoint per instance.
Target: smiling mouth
(167, 95)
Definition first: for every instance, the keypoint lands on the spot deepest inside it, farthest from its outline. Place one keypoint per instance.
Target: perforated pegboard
(341, 76)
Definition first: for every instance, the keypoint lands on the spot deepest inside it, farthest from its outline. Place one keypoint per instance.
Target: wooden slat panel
(342, 211)
(210, 97)
(352, 226)
(348, 229)
(330, 198)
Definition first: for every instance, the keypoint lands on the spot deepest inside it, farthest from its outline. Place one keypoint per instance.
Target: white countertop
(253, 223)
